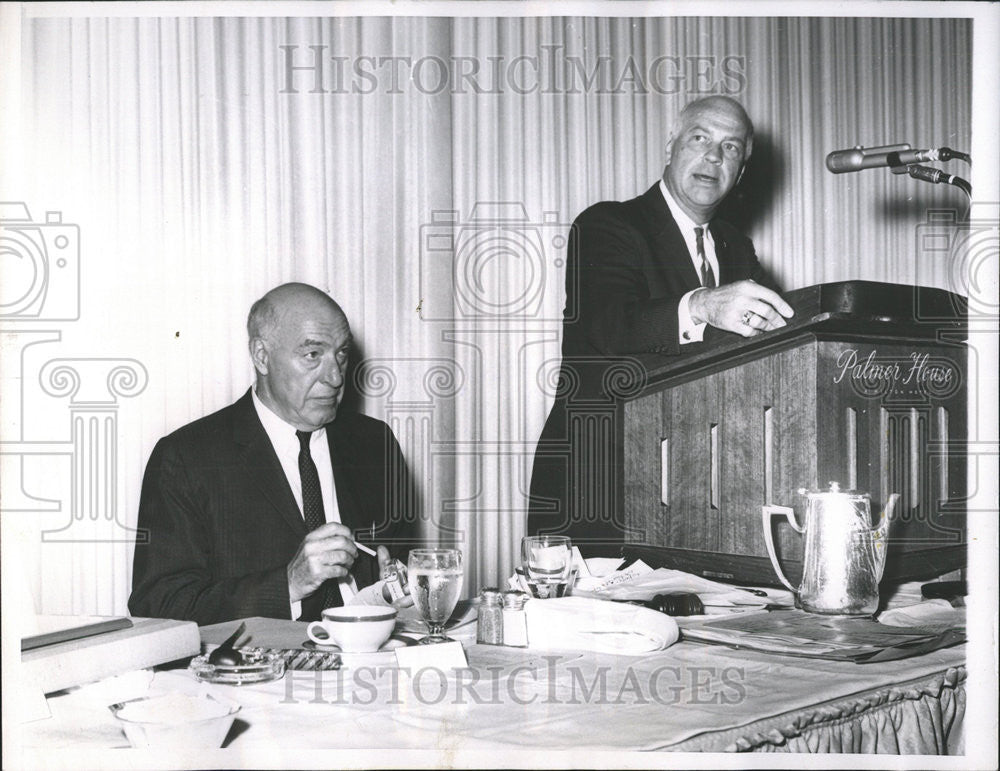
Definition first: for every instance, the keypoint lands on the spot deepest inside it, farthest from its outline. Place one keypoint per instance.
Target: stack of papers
(838, 638)
(638, 581)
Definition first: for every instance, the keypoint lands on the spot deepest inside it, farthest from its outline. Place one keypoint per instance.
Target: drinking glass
(435, 580)
(547, 561)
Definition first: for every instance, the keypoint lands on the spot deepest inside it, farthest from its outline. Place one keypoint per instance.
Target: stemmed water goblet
(435, 580)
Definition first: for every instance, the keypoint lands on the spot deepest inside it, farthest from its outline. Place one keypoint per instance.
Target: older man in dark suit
(254, 510)
(648, 275)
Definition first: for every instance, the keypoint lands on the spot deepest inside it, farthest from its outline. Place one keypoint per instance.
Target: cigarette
(365, 549)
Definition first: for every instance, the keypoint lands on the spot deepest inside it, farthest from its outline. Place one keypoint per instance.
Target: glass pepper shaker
(489, 629)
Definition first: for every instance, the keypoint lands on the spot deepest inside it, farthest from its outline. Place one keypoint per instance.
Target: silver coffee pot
(844, 555)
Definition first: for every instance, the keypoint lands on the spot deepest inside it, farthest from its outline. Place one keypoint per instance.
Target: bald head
(299, 344)
(706, 152)
(267, 311)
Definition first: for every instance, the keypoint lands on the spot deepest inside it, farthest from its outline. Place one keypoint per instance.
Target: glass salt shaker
(489, 629)
(515, 621)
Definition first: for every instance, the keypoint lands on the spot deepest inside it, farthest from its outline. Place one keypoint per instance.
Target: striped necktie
(707, 274)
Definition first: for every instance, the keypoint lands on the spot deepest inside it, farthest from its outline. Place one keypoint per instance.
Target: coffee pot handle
(766, 512)
(881, 533)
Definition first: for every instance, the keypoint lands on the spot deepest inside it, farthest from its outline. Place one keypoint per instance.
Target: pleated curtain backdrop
(425, 171)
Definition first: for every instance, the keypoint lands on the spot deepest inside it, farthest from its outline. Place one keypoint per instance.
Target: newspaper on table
(839, 638)
(604, 579)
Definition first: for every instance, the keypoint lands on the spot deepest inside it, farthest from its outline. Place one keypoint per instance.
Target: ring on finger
(747, 316)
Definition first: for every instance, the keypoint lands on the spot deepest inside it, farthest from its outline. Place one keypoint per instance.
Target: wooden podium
(866, 386)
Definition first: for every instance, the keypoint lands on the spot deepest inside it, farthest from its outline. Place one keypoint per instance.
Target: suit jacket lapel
(347, 500)
(365, 569)
(721, 254)
(668, 243)
(263, 468)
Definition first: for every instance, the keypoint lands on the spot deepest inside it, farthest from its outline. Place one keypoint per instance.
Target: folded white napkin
(582, 623)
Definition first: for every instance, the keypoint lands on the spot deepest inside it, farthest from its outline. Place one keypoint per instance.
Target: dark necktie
(707, 274)
(328, 594)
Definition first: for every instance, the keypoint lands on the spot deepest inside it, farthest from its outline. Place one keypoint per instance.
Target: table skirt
(921, 717)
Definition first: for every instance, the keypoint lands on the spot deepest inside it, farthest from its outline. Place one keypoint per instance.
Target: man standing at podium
(648, 275)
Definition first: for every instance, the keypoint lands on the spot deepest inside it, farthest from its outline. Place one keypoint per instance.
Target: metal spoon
(225, 654)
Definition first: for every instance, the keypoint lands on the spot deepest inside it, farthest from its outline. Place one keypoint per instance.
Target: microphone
(857, 158)
(893, 156)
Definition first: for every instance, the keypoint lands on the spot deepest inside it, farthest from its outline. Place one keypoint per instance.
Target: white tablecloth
(688, 697)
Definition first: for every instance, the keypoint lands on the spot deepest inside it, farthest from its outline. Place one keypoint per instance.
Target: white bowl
(175, 720)
(354, 628)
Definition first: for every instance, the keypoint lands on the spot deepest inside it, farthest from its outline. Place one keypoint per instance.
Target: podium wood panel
(790, 416)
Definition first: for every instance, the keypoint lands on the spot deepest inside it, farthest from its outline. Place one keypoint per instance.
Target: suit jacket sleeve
(624, 284)
(176, 575)
(616, 311)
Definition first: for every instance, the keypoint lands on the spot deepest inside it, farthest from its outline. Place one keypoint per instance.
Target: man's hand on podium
(745, 307)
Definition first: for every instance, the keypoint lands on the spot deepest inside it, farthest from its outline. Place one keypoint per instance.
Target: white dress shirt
(688, 331)
(286, 446)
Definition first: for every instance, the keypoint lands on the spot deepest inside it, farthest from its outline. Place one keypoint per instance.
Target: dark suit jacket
(223, 523)
(627, 269)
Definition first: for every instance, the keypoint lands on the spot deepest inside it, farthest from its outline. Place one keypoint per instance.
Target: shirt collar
(280, 432)
(684, 222)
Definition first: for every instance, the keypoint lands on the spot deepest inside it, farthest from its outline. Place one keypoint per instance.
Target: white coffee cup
(354, 628)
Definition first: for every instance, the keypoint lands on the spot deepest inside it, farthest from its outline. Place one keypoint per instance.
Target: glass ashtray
(256, 668)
